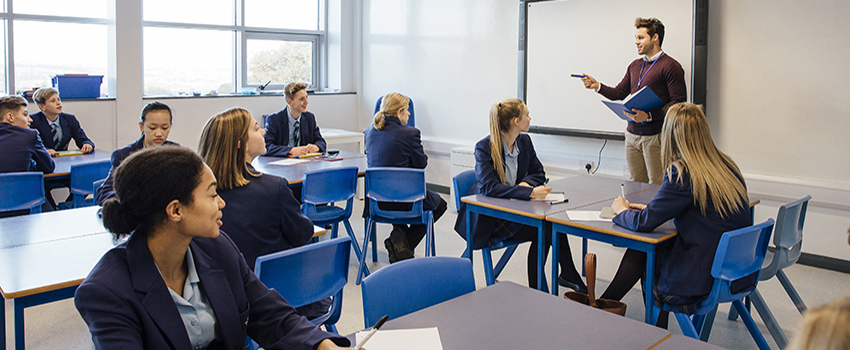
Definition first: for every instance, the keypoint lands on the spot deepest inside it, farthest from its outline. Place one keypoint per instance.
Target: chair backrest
(788, 238)
(23, 190)
(85, 174)
(740, 253)
(95, 185)
(411, 120)
(463, 183)
(412, 285)
(329, 185)
(397, 185)
(309, 273)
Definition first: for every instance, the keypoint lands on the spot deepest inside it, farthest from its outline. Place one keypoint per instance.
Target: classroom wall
(456, 58)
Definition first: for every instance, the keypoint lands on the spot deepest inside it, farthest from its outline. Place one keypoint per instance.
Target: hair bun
(117, 218)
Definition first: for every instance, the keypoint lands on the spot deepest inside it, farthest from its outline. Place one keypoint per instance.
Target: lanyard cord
(641, 76)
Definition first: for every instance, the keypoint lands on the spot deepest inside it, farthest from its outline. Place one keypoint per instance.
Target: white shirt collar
(653, 58)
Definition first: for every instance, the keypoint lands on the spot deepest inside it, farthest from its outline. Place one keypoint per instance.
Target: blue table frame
(62, 169)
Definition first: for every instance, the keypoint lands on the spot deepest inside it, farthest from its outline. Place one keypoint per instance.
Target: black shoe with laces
(400, 247)
(390, 251)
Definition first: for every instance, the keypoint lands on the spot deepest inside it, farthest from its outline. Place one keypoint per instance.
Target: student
(292, 131)
(506, 166)
(178, 282)
(21, 146)
(704, 192)
(666, 78)
(262, 216)
(155, 124)
(392, 143)
(55, 127)
(824, 327)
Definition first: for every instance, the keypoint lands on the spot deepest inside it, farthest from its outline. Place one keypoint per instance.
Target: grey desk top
(510, 316)
(64, 163)
(47, 227)
(295, 173)
(678, 342)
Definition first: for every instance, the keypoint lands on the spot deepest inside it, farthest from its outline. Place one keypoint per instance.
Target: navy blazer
(127, 305)
(70, 129)
(687, 271)
(264, 217)
(105, 191)
(398, 146)
(22, 150)
(529, 169)
(277, 133)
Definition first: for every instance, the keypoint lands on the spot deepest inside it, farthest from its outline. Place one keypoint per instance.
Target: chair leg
(733, 313)
(687, 325)
(504, 260)
(334, 230)
(583, 254)
(370, 226)
(488, 266)
(751, 325)
(374, 238)
(354, 245)
(705, 323)
(769, 320)
(792, 292)
(429, 234)
(465, 254)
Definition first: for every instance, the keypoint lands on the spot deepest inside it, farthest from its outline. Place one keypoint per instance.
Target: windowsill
(270, 93)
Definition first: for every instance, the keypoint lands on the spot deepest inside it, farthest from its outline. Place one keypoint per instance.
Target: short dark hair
(156, 106)
(292, 88)
(145, 183)
(653, 26)
(11, 103)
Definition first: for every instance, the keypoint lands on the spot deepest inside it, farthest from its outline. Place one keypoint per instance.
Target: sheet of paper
(585, 215)
(554, 197)
(408, 339)
(288, 161)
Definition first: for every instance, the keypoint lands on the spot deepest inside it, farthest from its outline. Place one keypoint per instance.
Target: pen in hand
(372, 332)
(623, 190)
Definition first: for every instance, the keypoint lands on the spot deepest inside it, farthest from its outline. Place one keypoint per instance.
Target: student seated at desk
(292, 131)
(704, 191)
(392, 143)
(155, 124)
(506, 166)
(262, 216)
(179, 282)
(21, 146)
(55, 127)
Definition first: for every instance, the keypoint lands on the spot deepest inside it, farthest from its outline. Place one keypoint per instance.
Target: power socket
(586, 165)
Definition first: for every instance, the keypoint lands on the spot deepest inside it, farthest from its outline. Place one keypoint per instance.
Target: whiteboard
(594, 37)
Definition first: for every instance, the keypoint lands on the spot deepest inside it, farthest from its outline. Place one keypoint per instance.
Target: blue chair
(740, 254)
(320, 190)
(309, 273)
(83, 177)
(95, 185)
(414, 284)
(396, 185)
(788, 239)
(410, 120)
(21, 191)
(463, 183)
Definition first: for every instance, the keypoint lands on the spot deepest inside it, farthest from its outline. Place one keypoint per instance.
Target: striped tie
(296, 133)
(55, 130)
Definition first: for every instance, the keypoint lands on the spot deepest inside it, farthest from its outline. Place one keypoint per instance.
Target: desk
(44, 257)
(62, 169)
(678, 342)
(344, 136)
(509, 316)
(295, 173)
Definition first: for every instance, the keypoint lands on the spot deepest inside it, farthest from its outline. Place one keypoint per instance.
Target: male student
(55, 127)
(292, 131)
(22, 148)
(666, 78)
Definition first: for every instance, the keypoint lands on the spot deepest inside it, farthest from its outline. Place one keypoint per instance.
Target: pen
(546, 181)
(623, 190)
(577, 75)
(372, 332)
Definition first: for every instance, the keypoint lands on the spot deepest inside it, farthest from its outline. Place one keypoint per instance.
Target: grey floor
(59, 326)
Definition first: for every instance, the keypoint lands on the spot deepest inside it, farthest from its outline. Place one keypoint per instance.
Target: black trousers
(415, 233)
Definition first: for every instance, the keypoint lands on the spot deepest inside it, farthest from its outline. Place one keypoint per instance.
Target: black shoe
(390, 250)
(399, 243)
(581, 288)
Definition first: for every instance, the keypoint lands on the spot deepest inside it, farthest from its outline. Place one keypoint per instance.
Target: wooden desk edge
(659, 342)
(611, 232)
(507, 210)
(42, 289)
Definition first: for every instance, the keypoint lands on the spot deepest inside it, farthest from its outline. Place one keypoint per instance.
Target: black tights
(631, 270)
(565, 258)
(415, 233)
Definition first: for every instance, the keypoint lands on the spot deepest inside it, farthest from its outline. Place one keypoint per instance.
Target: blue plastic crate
(78, 86)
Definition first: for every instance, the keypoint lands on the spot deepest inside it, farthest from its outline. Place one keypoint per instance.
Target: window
(187, 51)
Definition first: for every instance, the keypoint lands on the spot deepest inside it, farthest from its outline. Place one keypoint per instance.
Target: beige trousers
(643, 156)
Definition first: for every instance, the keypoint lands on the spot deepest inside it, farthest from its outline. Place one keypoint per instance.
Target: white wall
(456, 58)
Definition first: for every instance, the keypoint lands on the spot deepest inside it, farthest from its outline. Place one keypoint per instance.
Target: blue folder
(644, 100)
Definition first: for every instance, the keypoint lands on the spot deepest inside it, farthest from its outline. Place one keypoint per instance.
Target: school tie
(55, 130)
(296, 133)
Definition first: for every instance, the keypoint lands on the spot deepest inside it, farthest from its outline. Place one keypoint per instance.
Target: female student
(704, 192)
(506, 166)
(263, 217)
(178, 282)
(392, 143)
(155, 124)
(824, 327)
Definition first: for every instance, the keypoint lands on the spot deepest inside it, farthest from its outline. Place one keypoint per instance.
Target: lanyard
(640, 77)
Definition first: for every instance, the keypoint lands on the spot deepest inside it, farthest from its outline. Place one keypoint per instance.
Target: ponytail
(501, 114)
(390, 104)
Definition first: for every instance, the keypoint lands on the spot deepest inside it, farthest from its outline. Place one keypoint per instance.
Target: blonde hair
(824, 327)
(220, 147)
(43, 94)
(291, 89)
(501, 115)
(686, 145)
(390, 104)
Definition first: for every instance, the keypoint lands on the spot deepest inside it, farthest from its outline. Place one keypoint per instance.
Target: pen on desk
(372, 332)
(577, 75)
(623, 190)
